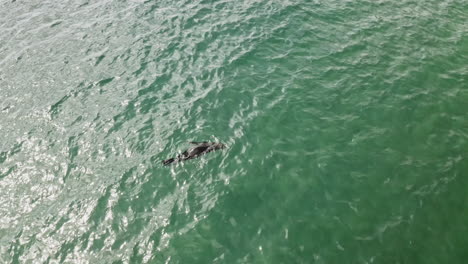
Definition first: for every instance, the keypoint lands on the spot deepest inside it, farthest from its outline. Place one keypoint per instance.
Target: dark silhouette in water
(201, 148)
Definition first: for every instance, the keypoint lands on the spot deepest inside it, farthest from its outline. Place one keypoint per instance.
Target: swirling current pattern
(345, 123)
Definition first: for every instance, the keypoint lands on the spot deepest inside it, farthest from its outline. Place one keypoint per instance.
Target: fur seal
(201, 148)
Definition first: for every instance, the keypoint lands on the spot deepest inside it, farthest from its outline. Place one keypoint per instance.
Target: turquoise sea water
(346, 124)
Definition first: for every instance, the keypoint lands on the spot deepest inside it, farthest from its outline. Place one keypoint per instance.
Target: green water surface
(346, 125)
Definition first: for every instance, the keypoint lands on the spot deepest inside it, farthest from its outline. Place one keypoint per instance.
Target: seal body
(201, 148)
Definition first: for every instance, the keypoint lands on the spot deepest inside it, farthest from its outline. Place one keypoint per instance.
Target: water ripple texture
(345, 124)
